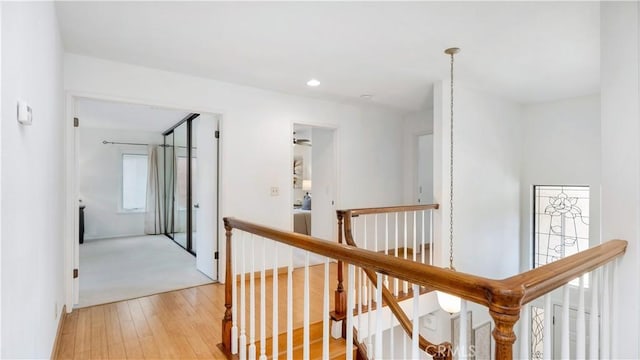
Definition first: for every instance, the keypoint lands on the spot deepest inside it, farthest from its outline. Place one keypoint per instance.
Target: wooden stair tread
(337, 347)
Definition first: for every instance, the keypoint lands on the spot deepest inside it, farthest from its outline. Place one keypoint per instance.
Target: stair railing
(401, 231)
(503, 298)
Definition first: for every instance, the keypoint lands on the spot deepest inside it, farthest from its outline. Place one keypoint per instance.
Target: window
(561, 222)
(134, 182)
(561, 228)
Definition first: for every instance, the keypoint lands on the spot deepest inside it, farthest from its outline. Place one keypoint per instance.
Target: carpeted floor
(126, 268)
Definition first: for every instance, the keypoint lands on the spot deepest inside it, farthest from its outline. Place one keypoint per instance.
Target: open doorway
(314, 181)
(424, 190)
(124, 167)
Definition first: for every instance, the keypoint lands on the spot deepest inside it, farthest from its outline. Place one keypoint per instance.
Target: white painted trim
(1, 4)
(71, 232)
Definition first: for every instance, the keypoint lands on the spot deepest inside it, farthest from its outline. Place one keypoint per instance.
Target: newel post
(340, 304)
(503, 334)
(505, 311)
(228, 300)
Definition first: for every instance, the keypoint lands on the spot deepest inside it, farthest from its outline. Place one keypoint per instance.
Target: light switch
(25, 115)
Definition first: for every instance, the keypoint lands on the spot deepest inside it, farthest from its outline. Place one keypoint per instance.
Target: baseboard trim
(56, 343)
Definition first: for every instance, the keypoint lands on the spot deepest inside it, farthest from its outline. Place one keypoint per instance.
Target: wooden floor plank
(183, 324)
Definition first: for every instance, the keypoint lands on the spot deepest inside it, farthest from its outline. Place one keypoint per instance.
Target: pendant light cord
(451, 175)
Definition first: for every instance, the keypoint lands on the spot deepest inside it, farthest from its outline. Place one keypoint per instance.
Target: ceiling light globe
(448, 302)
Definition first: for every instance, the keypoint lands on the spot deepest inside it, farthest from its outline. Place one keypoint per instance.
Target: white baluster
(274, 320)
(422, 241)
(431, 237)
(605, 352)
(290, 306)
(363, 277)
(242, 341)
(546, 328)
(415, 236)
(360, 291)
(464, 342)
(415, 334)
(378, 349)
(305, 341)
(395, 279)
(263, 304)
(565, 339)
(234, 298)
(386, 234)
(386, 244)
(391, 331)
(325, 312)
(369, 324)
(581, 333)
(252, 302)
(375, 232)
(405, 284)
(594, 333)
(614, 309)
(525, 330)
(350, 306)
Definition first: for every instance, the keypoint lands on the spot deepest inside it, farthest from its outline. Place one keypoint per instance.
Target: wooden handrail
(547, 278)
(504, 298)
(390, 209)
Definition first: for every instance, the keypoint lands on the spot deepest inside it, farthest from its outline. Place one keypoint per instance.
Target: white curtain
(153, 217)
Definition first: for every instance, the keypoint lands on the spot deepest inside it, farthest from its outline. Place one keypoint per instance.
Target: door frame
(71, 211)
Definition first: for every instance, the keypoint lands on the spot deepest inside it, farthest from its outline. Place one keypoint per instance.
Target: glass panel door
(169, 184)
(181, 208)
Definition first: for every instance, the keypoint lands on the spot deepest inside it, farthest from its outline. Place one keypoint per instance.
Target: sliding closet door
(180, 200)
(169, 182)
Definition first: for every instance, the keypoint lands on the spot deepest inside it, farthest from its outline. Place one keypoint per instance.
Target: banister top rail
(506, 295)
(549, 277)
(388, 209)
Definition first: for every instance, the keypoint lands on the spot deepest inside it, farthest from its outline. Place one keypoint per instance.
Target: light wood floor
(183, 324)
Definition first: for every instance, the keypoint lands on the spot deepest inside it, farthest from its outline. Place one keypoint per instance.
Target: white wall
(32, 181)
(561, 146)
(256, 130)
(487, 155)
(620, 102)
(100, 178)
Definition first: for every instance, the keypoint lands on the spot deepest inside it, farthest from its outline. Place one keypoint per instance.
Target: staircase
(384, 278)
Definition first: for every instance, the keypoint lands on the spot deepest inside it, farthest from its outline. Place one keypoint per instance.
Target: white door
(323, 184)
(557, 331)
(75, 210)
(205, 193)
(425, 169)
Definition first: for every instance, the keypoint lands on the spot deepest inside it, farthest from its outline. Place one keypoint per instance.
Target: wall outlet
(275, 191)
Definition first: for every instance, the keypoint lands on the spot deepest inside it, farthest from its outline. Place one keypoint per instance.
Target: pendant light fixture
(448, 302)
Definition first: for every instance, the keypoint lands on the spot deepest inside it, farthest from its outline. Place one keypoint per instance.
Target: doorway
(424, 189)
(119, 148)
(314, 180)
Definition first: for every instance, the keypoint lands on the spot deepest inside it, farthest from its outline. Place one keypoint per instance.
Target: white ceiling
(123, 116)
(525, 51)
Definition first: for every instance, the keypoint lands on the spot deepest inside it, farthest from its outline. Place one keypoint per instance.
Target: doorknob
(197, 206)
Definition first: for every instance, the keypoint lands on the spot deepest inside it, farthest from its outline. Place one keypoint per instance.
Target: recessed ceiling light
(313, 82)
(366, 96)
